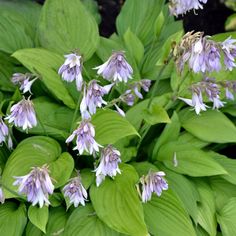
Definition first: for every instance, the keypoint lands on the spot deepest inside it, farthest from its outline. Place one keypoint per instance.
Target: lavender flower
(75, 191)
(85, 138)
(152, 182)
(180, 7)
(23, 114)
(93, 97)
(228, 94)
(71, 70)
(128, 97)
(2, 197)
(110, 158)
(24, 81)
(144, 84)
(5, 135)
(196, 101)
(116, 68)
(119, 110)
(37, 185)
(229, 50)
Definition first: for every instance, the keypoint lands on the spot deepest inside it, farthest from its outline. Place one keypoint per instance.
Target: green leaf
(32, 230)
(190, 160)
(87, 177)
(219, 130)
(93, 8)
(46, 63)
(38, 216)
(117, 204)
(170, 133)
(84, 221)
(53, 119)
(13, 219)
(37, 151)
(75, 27)
(134, 46)
(165, 216)
(206, 207)
(227, 218)
(140, 17)
(155, 115)
(111, 127)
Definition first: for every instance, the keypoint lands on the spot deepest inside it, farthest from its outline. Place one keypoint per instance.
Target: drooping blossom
(229, 50)
(153, 182)
(72, 70)
(119, 110)
(116, 68)
(24, 80)
(85, 141)
(196, 102)
(5, 135)
(75, 191)
(2, 197)
(128, 97)
(144, 84)
(37, 185)
(23, 114)
(228, 94)
(180, 7)
(93, 96)
(110, 158)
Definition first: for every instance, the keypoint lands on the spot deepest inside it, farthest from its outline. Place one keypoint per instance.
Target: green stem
(75, 112)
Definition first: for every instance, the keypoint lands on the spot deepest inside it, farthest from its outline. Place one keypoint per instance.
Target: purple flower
(144, 84)
(110, 158)
(93, 97)
(23, 114)
(2, 197)
(71, 70)
(180, 7)
(75, 191)
(116, 68)
(228, 94)
(229, 50)
(4, 134)
(85, 138)
(119, 110)
(153, 182)
(196, 101)
(128, 97)
(24, 81)
(37, 185)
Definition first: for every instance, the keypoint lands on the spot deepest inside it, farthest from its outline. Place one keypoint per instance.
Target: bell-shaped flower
(5, 135)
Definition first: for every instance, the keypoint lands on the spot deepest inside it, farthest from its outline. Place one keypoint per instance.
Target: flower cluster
(75, 191)
(37, 185)
(203, 54)
(180, 7)
(110, 158)
(153, 182)
(212, 90)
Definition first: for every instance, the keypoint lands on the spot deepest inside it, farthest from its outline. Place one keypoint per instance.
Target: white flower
(23, 114)
(72, 70)
(116, 68)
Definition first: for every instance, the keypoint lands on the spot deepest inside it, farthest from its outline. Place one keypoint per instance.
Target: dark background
(211, 19)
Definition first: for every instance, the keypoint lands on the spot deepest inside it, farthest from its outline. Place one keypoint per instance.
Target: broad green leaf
(75, 28)
(84, 221)
(37, 151)
(93, 8)
(13, 219)
(190, 160)
(155, 115)
(117, 204)
(170, 133)
(134, 46)
(227, 218)
(228, 164)
(165, 216)
(87, 177)
(143, 168)
(139, 16)
(32, 230)
(206, 207)
(16, 34)
(4, 154)
(134, 114)
(111, 127)
(210, 126)
(38, 216)
(185, 190)
(222, 190)
(53, 119)
(46, 63)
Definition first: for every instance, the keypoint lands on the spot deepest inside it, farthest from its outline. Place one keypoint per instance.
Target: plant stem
(75, 112)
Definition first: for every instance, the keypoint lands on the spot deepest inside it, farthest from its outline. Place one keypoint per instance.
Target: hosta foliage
(157, 133)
